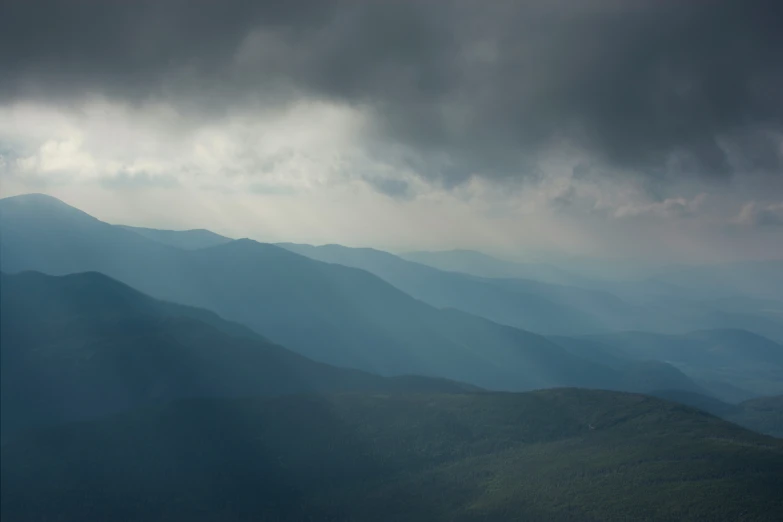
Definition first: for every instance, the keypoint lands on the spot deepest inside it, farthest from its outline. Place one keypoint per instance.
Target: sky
(642, 129)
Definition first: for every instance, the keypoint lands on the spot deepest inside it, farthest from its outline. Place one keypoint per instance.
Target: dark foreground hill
(78, 346)
(554, 455)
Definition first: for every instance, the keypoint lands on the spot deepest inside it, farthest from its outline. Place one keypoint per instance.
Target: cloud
(654, 88)
(297, 148)
(599, 126)
(761, 215)
(669, 208)
(391, 187)
(130, 181)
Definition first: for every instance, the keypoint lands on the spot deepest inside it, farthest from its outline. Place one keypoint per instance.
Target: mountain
(763, 414)
(620, 279)
(482, 265)
(327, 312)
(187, 239)
(556, 309)
(702, 402)
(644, 376)
(554, 455)
(84, 345)
(749, 294)
(530, 305)
(737, 357)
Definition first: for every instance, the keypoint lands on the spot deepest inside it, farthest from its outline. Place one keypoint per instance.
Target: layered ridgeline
(187, 239)
(752, 364)
(555, 455)
(530, 305)
(582, 307)
(757, 279)
(83, 345)
(762, 414)
(330, 313)
(483, 265)
(78, 346)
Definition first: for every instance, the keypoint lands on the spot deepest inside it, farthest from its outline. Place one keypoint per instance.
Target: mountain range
(588, 306)
(182, 375)
(349, 307)
(330, 313)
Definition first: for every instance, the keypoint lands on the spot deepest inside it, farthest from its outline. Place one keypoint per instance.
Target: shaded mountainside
(560, 309)
(644, 376)
(555, 455)
(83, 345)
(696, 400)
(763, 414)
(187, 239)
(530, 305)
(330, 313)
(740, 358)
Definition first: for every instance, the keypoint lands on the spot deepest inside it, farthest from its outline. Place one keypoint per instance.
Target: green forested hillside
(555, 455)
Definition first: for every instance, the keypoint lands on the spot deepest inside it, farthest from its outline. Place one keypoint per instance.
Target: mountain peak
(33, 197)
(41, 205)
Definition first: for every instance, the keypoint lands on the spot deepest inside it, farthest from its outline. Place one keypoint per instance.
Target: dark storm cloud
(470, 87)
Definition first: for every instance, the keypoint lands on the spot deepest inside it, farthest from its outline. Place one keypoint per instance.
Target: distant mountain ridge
(762, 414)
(539, 307)
(187, 239)
(330, 313)
(556, 309)
(483, 265)
(743, 358)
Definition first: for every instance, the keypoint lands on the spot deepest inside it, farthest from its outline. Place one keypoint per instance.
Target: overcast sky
(650, 128)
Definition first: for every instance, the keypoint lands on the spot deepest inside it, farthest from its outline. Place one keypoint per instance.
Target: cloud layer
(603, 113)
(468, 88)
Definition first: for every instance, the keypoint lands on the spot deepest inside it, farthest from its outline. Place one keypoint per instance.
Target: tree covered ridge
(563, 454)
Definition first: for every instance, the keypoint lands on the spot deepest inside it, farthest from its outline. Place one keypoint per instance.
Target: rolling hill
(555, 455)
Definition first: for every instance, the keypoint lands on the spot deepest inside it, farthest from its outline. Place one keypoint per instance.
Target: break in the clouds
(591, 111)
